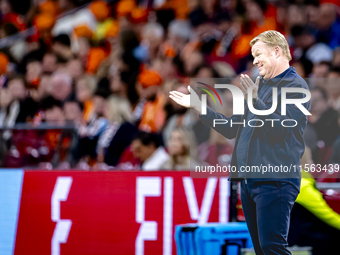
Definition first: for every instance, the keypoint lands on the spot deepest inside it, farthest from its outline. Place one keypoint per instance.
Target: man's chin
(263, 75)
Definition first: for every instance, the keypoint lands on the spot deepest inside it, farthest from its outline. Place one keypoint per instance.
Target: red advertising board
(74, 213)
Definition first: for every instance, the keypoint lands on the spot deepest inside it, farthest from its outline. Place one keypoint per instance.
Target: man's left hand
(247, 83)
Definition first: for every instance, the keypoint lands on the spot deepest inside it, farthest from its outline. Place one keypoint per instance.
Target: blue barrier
(10, 195)
(212, 238)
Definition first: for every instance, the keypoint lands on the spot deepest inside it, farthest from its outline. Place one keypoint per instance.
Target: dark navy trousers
(267, 206)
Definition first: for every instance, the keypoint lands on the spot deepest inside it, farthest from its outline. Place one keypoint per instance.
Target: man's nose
(255, 61)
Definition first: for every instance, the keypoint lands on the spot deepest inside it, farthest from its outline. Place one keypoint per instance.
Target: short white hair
(153, 28)
(62, 76)
(180, 28)
(273, 38)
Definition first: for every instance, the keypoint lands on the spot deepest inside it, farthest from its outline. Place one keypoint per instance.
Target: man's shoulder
(292, 79)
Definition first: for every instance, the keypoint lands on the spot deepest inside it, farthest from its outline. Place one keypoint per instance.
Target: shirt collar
(277, 78)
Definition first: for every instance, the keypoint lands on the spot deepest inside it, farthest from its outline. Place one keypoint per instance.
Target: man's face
(16, 89)
(320, 71)
(264, 59)
(141, 151)
(33, 71)
(49, 63)
(75, 68)
(61, 87)
(72, 112)
(54, 115)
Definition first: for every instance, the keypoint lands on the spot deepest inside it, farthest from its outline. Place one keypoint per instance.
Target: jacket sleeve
(223, 126)
(312, 200)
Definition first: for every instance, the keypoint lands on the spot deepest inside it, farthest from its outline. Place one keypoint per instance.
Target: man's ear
(278, 51)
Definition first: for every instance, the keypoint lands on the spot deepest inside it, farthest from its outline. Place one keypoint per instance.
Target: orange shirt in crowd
(241, 45)
(153, 117)
(88, 110)
(180, 7)
(95, 56)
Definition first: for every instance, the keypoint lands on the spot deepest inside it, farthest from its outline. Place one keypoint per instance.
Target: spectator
(179, 34)
(303, 67)
(181, 151)
(118, 134)
(333, 88)
(85, 88)
(73, 112)
(52, 111)
(33, 73)
(295, 16)
(153, 116)
(58, 150)
(90, 133)
(16, 87)
(75, 68)
(22, 107)
(49, 63)
(319, 73)
(62, 46)
(10, 16)
(259, 18)
(305, 42)
(147, 148)
(324, 120)
(152, 35)
(181, 118)
(328, 25)
(192, 62)
(61, 85)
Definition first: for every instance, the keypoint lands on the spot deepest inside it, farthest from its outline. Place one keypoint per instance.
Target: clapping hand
(247, 83)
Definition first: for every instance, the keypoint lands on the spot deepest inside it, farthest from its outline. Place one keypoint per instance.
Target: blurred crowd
(103, 70)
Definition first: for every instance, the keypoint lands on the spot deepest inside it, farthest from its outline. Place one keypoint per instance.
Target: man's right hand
(192, 100)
